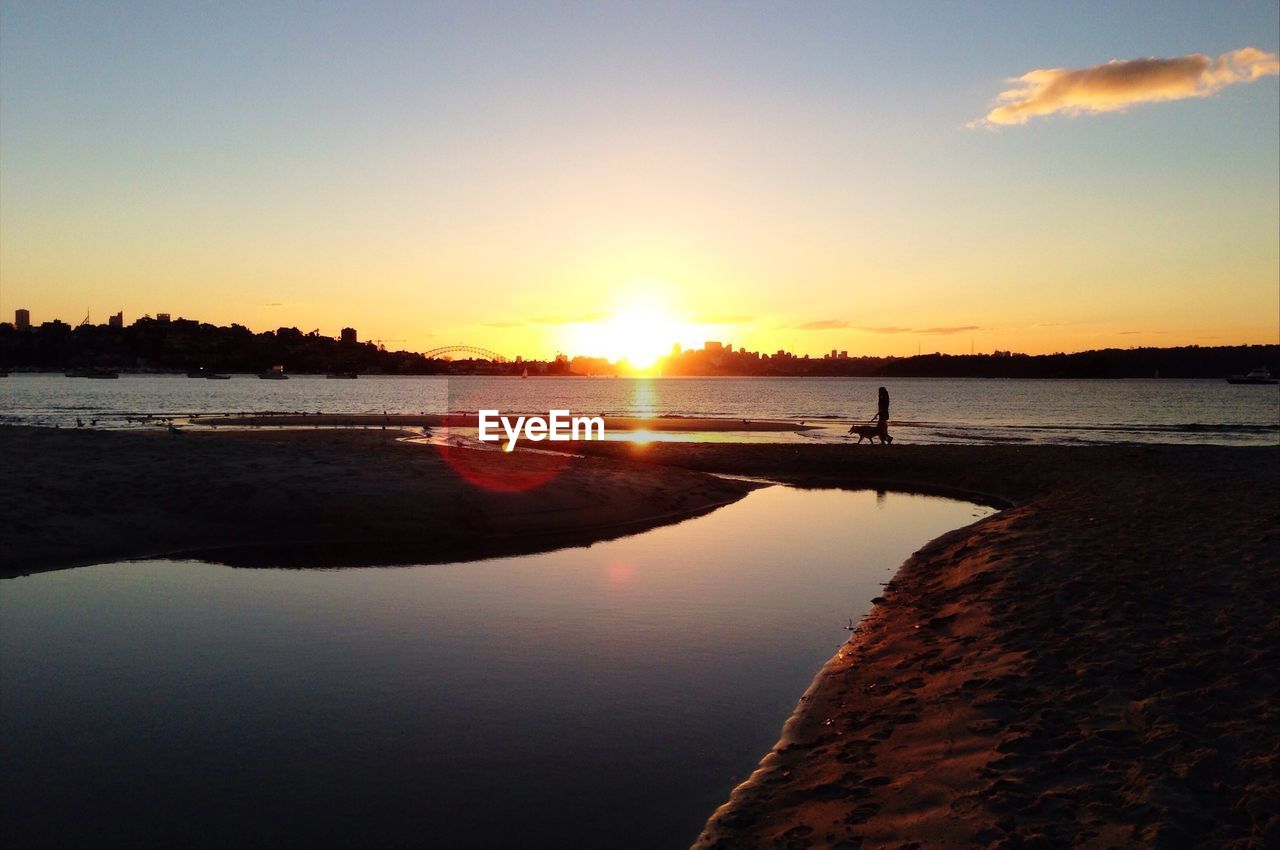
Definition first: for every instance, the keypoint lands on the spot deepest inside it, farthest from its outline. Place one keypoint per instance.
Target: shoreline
(1093, 666)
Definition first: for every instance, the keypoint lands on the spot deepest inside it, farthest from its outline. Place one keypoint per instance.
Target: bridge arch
(468, 352)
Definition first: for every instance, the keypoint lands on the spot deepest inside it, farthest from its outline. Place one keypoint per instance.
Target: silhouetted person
(882, 417)
(881, 428)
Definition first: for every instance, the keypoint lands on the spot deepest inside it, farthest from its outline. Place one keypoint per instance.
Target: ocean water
(604, 696)
(924, 410)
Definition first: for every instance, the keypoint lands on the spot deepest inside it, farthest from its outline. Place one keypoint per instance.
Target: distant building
(22, 320)
(162, 317)
(712, 346)
(116, 321)
(844, 355)
(349, 335)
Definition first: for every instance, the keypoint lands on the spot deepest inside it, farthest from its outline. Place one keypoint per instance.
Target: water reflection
(604, 696)
(644, 401)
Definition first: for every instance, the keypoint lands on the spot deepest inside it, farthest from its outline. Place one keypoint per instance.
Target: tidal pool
(608, 696)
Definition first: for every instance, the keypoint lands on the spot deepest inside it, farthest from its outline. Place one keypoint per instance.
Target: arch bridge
(464, 352)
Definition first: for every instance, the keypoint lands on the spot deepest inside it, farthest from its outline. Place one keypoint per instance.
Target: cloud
(951, 330)
(1116, 85)
(823, 325)
(887, 329)
(274, 304)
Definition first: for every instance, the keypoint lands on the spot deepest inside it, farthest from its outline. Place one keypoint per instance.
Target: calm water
(925, 410)
(608, 696)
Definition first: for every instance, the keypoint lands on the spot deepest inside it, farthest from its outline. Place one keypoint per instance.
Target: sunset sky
(539, 177)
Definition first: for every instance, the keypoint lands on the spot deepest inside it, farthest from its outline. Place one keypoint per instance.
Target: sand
(1094, 666)
(314, 498)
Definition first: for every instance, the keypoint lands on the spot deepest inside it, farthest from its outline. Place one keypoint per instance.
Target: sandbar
(323, 498)
(470, 420)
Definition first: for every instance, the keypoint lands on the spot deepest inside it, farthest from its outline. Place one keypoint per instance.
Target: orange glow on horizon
(639, 332)
(637, 335)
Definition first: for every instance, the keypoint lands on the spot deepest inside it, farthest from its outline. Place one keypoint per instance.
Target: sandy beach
(1093, 666)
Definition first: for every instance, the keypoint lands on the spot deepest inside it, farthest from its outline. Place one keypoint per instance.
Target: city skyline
(721, 352)
(853, 177)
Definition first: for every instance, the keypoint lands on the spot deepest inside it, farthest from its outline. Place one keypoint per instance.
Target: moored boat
(275, 373)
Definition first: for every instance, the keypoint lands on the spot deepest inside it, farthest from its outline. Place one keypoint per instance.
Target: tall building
(116, 321)
(162, 317)
(348, 335)
(22, 320)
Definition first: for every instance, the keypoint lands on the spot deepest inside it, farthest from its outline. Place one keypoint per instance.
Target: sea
(923, 410)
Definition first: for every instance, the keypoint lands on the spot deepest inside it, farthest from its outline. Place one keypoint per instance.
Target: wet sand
(1094, 666)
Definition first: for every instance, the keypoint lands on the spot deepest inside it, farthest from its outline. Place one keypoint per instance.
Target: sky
(596, 178)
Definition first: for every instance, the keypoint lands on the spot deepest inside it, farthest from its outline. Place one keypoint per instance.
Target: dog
(869, 432)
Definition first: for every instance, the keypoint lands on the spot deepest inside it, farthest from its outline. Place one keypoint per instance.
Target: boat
(342, 376)
(1258, 376)
(524, 374)
(196, 373)
(214, 376)
(275, 373)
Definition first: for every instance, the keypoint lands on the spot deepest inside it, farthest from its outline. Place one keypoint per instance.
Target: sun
(638, 335)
